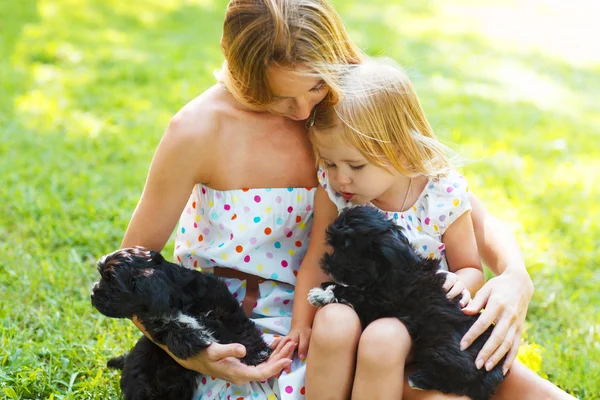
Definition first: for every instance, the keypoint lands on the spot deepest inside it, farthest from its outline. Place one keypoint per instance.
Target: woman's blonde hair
(379, 113)
(258, 34)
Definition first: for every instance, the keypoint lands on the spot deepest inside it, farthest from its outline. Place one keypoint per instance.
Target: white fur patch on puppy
(412, 385)
(194, 324)
(319, 297)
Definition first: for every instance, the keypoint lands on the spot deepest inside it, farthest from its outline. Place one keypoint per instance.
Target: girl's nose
(343, 178)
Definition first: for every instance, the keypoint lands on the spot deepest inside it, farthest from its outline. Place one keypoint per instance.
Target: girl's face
(296, 92)
(354, 177)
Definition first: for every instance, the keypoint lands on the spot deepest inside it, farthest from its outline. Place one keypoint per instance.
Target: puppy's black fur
(180, 308)
(376, 271)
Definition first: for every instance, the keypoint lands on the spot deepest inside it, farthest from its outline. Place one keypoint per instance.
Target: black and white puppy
(183, 309)
(376, 271)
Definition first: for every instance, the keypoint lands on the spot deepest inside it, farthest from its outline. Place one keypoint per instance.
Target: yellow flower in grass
(530, 354)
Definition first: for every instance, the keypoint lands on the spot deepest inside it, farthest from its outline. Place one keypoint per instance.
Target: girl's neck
(394, 198)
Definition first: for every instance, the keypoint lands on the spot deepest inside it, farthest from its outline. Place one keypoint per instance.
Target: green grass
(88, 87)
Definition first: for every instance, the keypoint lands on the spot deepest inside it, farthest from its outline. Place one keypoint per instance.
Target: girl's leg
(382, 352)
(332, 353)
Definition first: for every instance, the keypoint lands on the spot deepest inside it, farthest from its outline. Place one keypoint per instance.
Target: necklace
(406, 196)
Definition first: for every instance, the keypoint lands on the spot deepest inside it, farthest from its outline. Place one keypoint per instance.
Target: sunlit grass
(88, 86)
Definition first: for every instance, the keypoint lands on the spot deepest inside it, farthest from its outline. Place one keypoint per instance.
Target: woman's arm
(310, 274)
(505, 297)
(463, 259)
(184, 158)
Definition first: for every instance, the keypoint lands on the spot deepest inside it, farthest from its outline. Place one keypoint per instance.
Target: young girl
(376, 148)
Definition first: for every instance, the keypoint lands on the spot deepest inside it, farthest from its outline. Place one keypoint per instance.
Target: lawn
(88, 86)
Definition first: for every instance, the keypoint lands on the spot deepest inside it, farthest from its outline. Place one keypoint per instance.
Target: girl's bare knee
(384, 342)
(336, 326)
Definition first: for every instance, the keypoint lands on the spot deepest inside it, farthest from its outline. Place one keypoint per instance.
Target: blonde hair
(380, 114)
(258, 34)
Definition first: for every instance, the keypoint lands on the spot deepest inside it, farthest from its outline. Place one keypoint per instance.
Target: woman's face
(296, 91)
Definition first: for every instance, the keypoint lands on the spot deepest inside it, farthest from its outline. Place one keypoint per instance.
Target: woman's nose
(303, 108)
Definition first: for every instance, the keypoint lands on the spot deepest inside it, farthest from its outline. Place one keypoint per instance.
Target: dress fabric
(263, 232)
(440, 203)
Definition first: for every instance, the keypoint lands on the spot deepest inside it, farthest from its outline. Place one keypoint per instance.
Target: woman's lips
(347, 196)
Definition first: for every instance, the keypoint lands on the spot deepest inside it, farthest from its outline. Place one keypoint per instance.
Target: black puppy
(180, 308)
(376, 271)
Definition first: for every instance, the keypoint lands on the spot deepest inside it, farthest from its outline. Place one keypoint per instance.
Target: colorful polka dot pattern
(442, 201)
(264, 232)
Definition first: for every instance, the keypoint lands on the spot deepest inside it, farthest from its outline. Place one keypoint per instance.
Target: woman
(242, 151)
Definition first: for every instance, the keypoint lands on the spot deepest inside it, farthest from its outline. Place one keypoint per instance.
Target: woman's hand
(454, 287)
(222, 361)
(505, 298)
(300, 337)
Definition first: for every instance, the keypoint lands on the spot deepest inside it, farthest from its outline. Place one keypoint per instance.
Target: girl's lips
(347, 196)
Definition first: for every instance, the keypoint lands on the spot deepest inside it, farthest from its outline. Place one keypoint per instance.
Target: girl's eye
(329, 165)
(357, 167)
(318, 88)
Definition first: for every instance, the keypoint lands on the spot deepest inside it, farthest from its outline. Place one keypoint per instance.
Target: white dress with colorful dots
(442, 201)
(263, 232)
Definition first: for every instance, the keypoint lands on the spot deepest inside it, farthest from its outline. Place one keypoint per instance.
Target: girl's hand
(454, 287)
(505, 298)
(300, 337)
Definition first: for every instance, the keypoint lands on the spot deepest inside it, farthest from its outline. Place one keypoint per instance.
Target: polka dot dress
(442, 201)
(263, 232)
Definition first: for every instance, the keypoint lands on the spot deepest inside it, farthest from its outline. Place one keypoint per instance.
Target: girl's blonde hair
(379, 113)
(258, 34)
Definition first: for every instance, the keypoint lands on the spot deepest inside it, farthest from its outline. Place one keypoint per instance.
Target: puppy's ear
(155, 297)
(340, 237)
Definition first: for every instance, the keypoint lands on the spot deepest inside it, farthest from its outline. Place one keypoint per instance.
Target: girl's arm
(505, 297)
(462, 258)
(310, 274)
(183, 158)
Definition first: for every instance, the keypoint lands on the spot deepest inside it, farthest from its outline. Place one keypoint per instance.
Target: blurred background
(87, 88)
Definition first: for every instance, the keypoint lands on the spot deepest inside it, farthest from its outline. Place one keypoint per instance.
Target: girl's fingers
(457, 289)
(303, 346)
(465, 298)
(450, 281)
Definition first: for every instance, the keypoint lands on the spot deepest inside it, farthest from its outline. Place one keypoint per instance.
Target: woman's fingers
(216, 351)
(493, 343)
(486, 318)
(274, 344)
(503, 349)
(512, 354)
(479, 301)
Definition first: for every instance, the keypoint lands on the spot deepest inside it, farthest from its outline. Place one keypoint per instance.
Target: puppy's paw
(320, 297)
(422, 380)
(413, 385)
